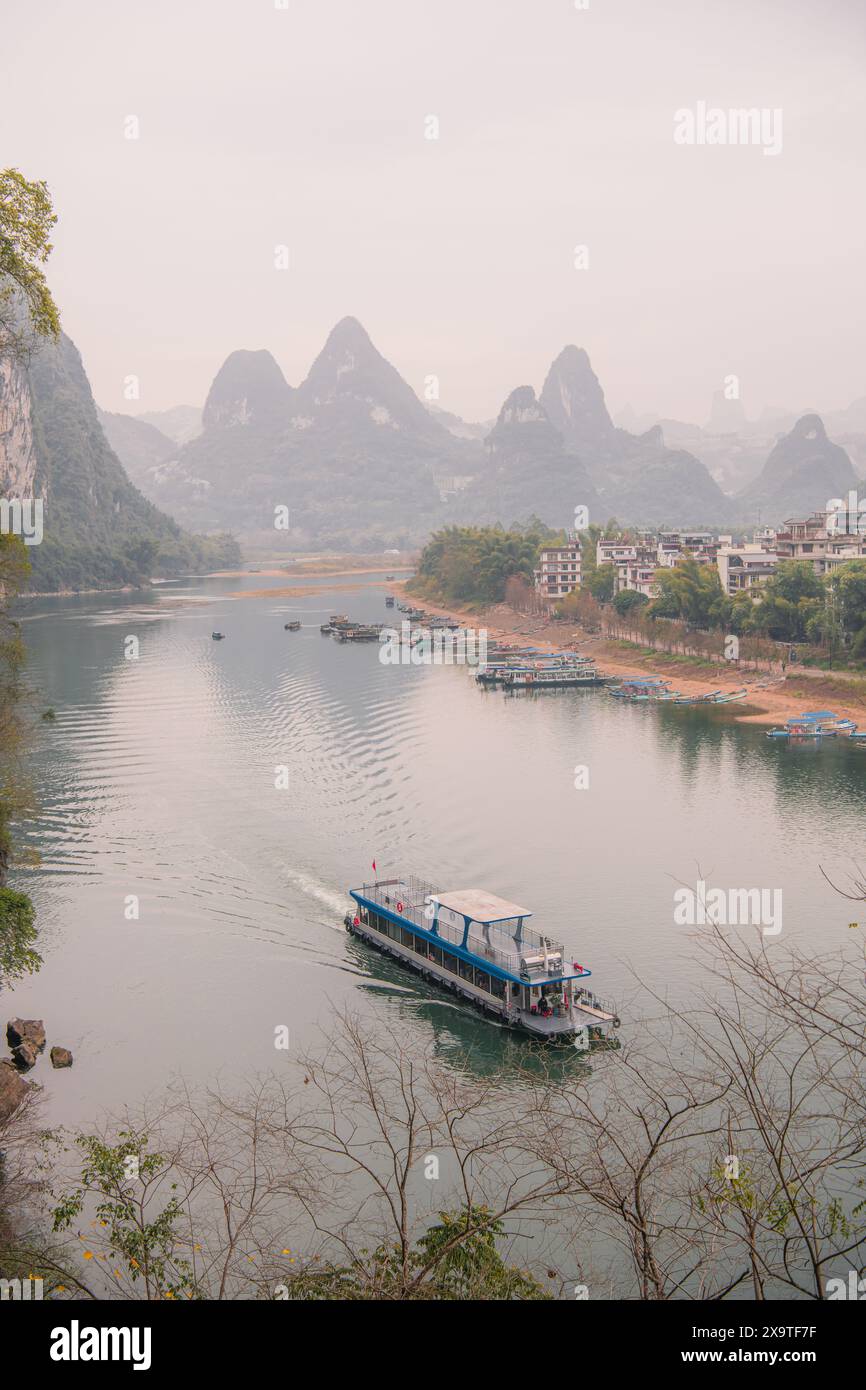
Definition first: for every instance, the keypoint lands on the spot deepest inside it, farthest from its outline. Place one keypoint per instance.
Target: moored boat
(358, 632)
(478, 945)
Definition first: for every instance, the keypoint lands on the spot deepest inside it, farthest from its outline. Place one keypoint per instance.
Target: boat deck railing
(494, 942)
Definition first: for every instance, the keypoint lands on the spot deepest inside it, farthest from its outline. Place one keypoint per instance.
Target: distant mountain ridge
(360, 461)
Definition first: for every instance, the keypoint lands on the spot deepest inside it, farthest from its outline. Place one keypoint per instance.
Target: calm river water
(157, 779)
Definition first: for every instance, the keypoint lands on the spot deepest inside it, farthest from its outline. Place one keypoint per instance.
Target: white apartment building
(558, 571)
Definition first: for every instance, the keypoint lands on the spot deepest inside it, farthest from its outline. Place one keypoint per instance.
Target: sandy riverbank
(801, 688)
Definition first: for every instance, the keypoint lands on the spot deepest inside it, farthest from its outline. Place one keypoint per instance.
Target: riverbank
(801, 688)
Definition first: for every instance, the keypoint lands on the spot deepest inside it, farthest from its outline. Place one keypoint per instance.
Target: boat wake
(320, 892)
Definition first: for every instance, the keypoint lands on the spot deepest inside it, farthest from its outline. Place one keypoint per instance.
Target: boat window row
(464, 969)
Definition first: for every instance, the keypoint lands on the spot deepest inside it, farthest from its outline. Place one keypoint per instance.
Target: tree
(691, 592)
(790, 600)
(600, 582)
(17, 935)
(846, 593)
(26, 221)
(627, 600)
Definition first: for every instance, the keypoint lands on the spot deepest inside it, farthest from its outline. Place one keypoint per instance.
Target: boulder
(13, 1089)
(30, 1030)
(25, 1054)
(61, 1057)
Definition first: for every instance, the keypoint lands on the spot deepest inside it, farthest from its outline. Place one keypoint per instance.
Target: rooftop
(480, 905)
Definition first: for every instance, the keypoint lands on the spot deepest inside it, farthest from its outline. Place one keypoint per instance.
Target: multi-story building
(638, 574)
(558, 571)
(614, 551)
(818, 543)
(744, 567)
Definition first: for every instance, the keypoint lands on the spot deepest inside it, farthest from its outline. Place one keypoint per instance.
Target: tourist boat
(552, 676)
(549, 669)
(293, 626)
(815, 724)
(830, 721)
(218, 636)
(358, 632)
(479, 946)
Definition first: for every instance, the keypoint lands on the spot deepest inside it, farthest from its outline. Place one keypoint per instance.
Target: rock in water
(25, 1054)
(60, 1057)
(13, 1089)
(32, 1030)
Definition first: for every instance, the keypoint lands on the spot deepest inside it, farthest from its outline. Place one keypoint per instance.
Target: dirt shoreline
(799, 690)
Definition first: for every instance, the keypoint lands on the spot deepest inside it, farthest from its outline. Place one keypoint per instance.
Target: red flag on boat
(374, 866)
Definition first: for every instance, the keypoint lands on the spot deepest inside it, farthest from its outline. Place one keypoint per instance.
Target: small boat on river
(816, 724)
(293, 626)
(218, 636)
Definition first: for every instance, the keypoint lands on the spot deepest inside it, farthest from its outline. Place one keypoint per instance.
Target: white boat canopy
(480, 905)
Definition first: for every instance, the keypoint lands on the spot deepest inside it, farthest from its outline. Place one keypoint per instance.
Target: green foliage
(600, 582)
(627, 599)
(457, 1259)
(847, 594)
(17, 935)
(26, 221)
(469, 564)
(692, 593)
(126, 1183)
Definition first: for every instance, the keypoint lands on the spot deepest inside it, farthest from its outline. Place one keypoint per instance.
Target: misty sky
(305, 126)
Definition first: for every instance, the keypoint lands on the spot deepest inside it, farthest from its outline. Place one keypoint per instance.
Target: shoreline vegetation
(484, 578)
(324, 567)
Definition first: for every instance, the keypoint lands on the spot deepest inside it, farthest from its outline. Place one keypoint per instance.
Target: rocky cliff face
(574, 402)
(99, 531)
(18, 461)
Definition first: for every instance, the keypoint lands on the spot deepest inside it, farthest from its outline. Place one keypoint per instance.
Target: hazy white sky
(305, 126)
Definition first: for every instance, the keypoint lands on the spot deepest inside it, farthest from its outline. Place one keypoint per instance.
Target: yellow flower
(88, 1254)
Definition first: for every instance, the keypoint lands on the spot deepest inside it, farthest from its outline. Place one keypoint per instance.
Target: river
(156, 781)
